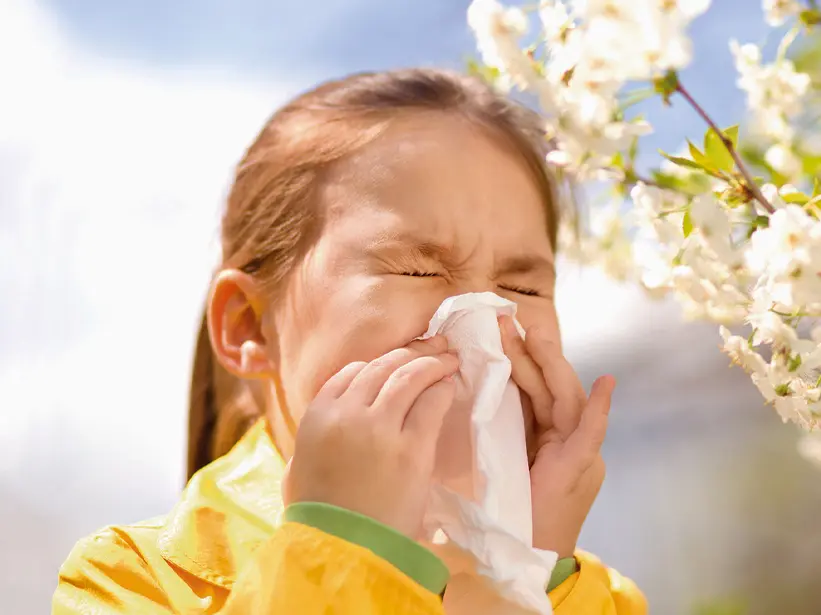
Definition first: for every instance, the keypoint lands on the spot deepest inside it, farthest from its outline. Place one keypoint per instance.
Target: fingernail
(605, 381)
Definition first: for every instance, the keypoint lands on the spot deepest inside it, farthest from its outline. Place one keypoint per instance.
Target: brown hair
(272, 216)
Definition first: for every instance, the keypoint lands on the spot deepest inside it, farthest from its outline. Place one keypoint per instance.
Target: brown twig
(755, 191)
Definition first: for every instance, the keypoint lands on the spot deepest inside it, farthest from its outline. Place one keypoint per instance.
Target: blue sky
(303, 42)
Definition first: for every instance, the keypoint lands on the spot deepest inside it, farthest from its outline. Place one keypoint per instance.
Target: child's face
(433, 197)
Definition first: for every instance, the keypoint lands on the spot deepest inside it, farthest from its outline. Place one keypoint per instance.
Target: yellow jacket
(223, 549)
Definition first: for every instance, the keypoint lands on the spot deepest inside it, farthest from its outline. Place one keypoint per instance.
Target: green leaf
(795, 198)
(636, 96)
(810, 17)
(666, 85)
(488, 74)
(633, 151)
(682, 162)
(735, 197)
(754, 155)
(731, 133)
(757, 223)
(806, 56)
(697, 155)
(716, 152)
(811, 164)
(816, 187)
(697, 183)
(686, 224)
(665, 180)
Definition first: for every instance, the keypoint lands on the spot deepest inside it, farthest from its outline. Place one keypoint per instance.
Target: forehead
(442, 176)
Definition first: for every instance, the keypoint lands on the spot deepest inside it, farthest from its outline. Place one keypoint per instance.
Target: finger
(526, 374)
(586, 441)
(427, 414)
(409, 381)
(369, 382)
(339, 382)
(561, 379)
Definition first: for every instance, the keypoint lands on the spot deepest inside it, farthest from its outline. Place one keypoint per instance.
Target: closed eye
(420, 274)
(521, 290)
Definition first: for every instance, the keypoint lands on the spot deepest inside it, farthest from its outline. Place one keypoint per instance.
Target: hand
(568, 469)
(368, 441)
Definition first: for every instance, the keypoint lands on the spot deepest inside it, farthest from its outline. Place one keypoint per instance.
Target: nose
(473, 284)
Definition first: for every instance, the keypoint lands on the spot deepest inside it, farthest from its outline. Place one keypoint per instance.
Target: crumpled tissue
(479, 518)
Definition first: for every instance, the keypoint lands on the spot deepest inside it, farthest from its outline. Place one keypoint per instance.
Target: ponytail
(221, 407)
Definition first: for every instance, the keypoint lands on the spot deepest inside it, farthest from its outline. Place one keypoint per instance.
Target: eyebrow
(528, 263)
(415, 246)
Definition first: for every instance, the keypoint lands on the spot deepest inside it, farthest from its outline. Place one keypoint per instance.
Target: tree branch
(755, 191)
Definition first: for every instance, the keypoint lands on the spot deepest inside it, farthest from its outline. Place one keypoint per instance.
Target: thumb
(586, 440)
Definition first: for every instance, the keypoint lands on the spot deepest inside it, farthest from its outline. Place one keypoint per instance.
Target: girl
(360, 207)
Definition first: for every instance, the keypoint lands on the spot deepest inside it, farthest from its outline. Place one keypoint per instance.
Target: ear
(236, 308)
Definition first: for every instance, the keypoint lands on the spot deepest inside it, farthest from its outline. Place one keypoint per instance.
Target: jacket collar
(226, 511)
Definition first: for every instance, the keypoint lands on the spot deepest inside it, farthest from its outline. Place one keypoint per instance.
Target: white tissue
(479, 518)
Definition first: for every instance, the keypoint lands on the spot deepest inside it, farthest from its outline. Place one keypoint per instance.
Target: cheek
(353, 318)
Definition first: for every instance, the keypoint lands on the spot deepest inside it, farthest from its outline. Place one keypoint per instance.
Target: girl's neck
(280, 425)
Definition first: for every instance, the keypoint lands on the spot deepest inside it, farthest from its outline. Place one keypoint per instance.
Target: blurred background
(120, 124)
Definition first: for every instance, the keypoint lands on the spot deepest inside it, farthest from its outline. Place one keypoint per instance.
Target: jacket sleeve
(105, 575)
(300, 569)
(305, 570)
(597, 590)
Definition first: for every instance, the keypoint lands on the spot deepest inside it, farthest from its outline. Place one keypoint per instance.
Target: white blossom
(774, 196)
(710, 218)
(787, 256)
(498, 30)
(660, 211)
(557, 24)
(782, 159)
(592, 50)
(722, 254)
(774, 91)
(798, 403)
(605, 243)
(768, 326)
(741, 353)
(776, 12)
(635, 40)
